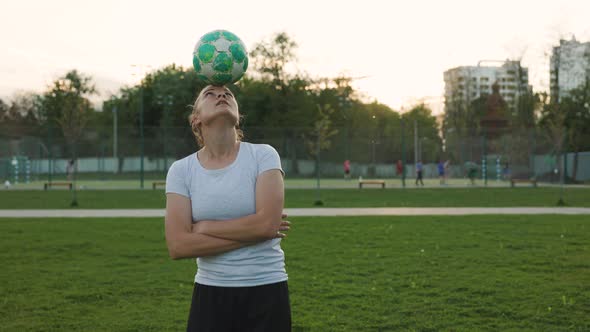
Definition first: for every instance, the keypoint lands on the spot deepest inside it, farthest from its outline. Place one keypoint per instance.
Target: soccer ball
(220, 58)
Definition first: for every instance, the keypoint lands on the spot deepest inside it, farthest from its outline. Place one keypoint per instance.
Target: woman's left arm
(265, 224)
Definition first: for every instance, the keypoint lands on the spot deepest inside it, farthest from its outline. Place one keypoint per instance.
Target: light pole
(415, 143)
(165, 102)
(373, 142)
(141, 68)
(403, 152)
(345, 105)
(141, 138)
(115, 139)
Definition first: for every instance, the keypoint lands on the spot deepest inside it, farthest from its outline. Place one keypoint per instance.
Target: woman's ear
(196, 120)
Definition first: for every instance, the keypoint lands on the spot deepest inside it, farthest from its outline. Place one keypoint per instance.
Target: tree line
(296, 112)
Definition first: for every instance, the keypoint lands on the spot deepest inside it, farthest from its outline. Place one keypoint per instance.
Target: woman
(224, 206)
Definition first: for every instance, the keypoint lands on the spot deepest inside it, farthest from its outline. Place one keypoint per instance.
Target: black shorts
(258, 308)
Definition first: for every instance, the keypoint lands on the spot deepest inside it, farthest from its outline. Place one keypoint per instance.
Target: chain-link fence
(126, 160)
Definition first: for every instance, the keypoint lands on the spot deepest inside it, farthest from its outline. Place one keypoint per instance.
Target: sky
(397, 49)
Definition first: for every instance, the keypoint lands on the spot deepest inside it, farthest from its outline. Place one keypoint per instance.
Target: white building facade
(467, 83)
(569, 67)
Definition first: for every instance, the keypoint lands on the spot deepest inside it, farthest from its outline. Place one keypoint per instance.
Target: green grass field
(422, 197)
(473, 273)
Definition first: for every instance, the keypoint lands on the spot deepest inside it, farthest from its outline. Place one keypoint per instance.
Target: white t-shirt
(230, 193)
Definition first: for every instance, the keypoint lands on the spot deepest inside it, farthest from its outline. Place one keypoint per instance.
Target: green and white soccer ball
(220, 58)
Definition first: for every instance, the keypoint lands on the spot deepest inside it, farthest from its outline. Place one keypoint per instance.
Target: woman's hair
(196, 129)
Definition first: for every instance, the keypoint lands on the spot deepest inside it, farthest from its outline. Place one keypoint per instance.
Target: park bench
(46, 185)
(158, 183)
(513, 181)
(380, 182)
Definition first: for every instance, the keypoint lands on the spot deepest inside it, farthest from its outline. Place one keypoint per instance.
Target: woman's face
(217, 103)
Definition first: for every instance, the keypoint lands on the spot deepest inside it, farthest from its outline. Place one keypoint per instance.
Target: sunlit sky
(401, 48)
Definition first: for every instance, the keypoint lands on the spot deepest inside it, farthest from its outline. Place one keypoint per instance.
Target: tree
(321, 141)
(66, 102)
(575, 107)
(288, 105)
(323, 131)
(272, 57)
(460, 123)
(429, 141)
(3, 111)
(554, 122)
(20, 117)
(165, 96)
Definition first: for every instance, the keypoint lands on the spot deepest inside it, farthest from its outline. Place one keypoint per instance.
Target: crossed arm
(206, 238)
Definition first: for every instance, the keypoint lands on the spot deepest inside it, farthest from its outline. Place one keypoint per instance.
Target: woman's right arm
(181, 241)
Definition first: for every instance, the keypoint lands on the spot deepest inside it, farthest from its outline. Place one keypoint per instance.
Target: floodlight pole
(318, 201)
(563, 153)
(415, 143)
(403, 154)
(141, 138)
(115, 139)
(484, 161)
(50, 161)
(74, 202)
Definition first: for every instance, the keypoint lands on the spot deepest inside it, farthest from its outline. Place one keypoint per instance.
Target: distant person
(419, 171)
(471, 172)
(441, 171)
(70, 169)
(347, 169)
(399, 168)
(506, 171)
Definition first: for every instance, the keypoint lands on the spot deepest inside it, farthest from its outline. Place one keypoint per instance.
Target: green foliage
(66, 104)
(66, 100)
(567, 122)
(270, 59)
(526, 110)
(322, 131)
(576, 107)
(165, 96)
(428, 134)
(21, 116)
(279, 107)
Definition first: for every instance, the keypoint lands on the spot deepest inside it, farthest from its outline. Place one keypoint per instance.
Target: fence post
(403, 154)
(484, 170)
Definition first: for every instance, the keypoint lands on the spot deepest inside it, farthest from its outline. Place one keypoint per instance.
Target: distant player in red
(399, 168)
(347, 169)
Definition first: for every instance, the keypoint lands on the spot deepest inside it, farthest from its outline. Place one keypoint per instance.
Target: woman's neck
(220, 145)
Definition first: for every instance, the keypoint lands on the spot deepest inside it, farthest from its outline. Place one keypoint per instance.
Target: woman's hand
(284, 227)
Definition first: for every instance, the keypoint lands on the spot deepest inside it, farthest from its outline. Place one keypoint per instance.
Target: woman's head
(214, 109)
